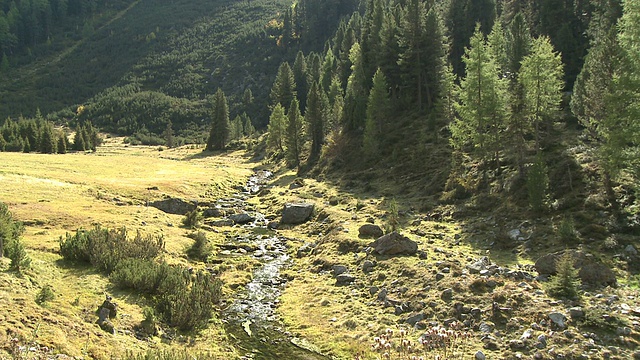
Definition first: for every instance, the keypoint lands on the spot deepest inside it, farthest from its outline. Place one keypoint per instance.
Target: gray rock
(394, 244)
(439, 276)
(107, 326)
(516, 344)
(242, 218)
(479, 265)
(623, 330)
(591, 271)
(412, 320)
(382, 295)
(558, 319)
(338, 269)
(175, 206)
(526, 335)
(296, 213)
(486, 327)
(370, 231)
(344, 279)
(631, 250)
(514, 234)
(221, 222)
(542, 340)
(447, 294)
(576, 313)
(212, 212)
(367, 265)
(373, 290)
(480, 355)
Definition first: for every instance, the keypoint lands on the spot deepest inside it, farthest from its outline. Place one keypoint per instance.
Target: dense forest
(491, 78)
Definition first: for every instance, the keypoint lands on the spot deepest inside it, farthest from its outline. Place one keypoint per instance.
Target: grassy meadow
(56, 194)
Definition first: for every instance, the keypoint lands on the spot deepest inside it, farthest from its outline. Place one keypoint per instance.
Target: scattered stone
(373, 290)
(439, 276)
(273, 225)
(412, 320)
(480, 355)
(558, 319)
(370, 231)
(542, 341)
(382, 295)
(305, 250)
(631, 250)
(107, 326)
(108, 310)
(576, 313)
(339, 269)
(623, 330)
(514, 234)
(212, 212)
(345, 279)
(242, 218)
(486, 327)
(516, 344)
(479, 265)
(394, 244)
(174, 206)
(221, 222)
(296, 213)
(447, 294)
(527, 334)
(367, 265)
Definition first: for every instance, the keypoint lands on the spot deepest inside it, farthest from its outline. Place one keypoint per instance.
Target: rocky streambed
(251, 317)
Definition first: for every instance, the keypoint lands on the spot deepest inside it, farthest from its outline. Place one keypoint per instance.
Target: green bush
(20, 260)
(142, 275)
(45, 295)
(566, 283)
(537, 184)
(192, 219)
(201, 248)
(105, 248)
(566, 230)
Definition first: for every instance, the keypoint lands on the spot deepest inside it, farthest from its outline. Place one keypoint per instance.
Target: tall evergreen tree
(412, 43)
(541, 78)
(378, 111)
(283, 90)
(315, 118)
(355, 102)
(482, 107)
(168, 135)
(300, 78)
(294, 134)
(48, 140)
(277, 128)
(390, 49)
(219, 134)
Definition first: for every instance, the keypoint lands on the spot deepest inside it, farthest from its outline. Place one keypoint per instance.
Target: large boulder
(296, 213)
(242, 218)
(174, 206)
(370, 231)
(394, 244)
(590, 270)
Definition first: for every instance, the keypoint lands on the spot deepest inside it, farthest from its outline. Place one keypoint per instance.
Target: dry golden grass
(55, 194)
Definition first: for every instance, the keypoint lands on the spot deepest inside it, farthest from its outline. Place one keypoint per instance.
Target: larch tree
(294, 134)
(220, 127)
(412, 55)
(541, 77)
(355, 102)
(276, 128)
(482, 104)
(300, 79)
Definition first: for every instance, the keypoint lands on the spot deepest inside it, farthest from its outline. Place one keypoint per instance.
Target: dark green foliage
(566, 230)
(537, 184)
(201, 248)
(566, 283)
(294, 134)
(45, 295)
(168, 135)
(393, 216)
(284, 87)
(599, 319)
(143, 275)
(315, 117)
(15, 251)
(192, 219)
(277, 129)
(169, 355)
(190, 304)
(105, 248)
(10, 229)
(38, 134)
(378, 111)
(219, 134)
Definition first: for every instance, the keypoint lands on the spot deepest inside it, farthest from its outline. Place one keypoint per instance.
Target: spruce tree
(247, 127)
(294, 136)
(541, 79)
(355, 102)
(277, 128)
(300, 79)
(390, 49)
(283, 90)
(48, 140)
(315, 118)
(219, 134)
(78, 140)
(62, 143)
(378, 111)
(168, 135)
(412, 44)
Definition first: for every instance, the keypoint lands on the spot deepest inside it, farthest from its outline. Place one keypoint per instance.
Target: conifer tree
(541, 79)
(168, 135)
(355, 102)
(315, 118)
(378, 110)
(412, 44)
(294, 136)
(48, 140)
(336, 104)
(482, 106)
(277, 128)
(283, 90)
(390, 49)
(328, 70)
(300, 79)
(62, 143)
(78, 140)
(219, 134)
(236, 130)
(247, 127)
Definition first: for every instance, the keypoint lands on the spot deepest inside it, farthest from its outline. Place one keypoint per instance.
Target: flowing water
(251, 318)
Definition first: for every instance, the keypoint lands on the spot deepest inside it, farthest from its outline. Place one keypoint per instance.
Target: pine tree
(390, 49)
(412, 44)
(219, 134)
(48, 141)
(328, 71)
(294, 136)
(482, 106)
(300, 79)
(168, 135)
(378, 110)
(541, 79)
(247, 127)
(62, 143)
(283, 90)
(315, 118)
(78, 140)
(236, 130)
(277, 128)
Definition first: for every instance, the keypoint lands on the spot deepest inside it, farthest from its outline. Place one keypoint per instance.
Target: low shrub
(45, 295)
(566, 283)
(15, 251)
(201, 248)
(142, 275)
(192, 219)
